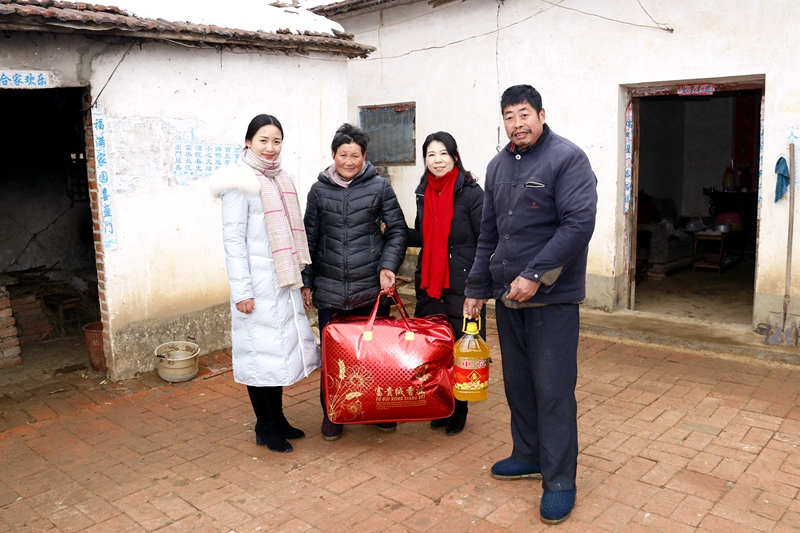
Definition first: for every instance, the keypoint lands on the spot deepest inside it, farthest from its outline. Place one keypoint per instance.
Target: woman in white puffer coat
(265, 249)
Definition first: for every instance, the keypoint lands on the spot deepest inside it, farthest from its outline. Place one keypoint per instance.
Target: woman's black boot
(286, 430)
(270, 436)
(457, 421)
(439, 423)
(267, 429)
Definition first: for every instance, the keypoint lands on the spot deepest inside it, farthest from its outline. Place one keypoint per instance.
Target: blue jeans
(539, 346)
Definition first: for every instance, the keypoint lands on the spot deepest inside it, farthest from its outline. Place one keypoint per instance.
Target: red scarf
(437, 220)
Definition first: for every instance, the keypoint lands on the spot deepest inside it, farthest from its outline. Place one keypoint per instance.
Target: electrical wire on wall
(382, 26)
(551, 5)
(496, 31)
(658, 25)
(497, 65)
(459, 41)
(112, 74)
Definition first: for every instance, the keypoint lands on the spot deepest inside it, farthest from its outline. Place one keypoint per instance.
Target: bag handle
(391, 293)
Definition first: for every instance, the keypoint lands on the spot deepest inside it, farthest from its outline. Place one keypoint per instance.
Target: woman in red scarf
(449, 205)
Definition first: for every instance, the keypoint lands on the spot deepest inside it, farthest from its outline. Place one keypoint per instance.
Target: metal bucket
(177, 361)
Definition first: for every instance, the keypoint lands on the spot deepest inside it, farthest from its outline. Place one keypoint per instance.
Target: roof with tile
(53, 16)
(345, 8)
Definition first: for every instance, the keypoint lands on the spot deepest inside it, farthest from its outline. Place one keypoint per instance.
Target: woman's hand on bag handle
(246, 306)
(388, 280)
(472, 307)
(305, 292)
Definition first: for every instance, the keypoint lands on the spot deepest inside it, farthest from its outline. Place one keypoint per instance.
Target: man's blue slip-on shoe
(556, 506)
(512, 469)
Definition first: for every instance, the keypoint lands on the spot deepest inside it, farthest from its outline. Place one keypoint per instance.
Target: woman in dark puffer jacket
(352, 261)
(449, 205)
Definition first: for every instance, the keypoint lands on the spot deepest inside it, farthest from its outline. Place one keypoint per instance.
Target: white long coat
(273, 345)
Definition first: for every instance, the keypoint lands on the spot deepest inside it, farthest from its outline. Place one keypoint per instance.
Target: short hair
(258, 122)
(450, 145)
(518, 94)
(346, 134)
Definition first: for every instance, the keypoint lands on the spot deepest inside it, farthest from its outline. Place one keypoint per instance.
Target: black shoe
(331, 431)
(288, 432)
(455, 425)
(272, 440)
(439, 424)
(387, 427)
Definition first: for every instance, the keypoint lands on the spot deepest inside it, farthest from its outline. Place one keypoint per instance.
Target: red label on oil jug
(470, 374)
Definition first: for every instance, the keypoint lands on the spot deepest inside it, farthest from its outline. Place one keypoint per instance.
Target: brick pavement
(670, 442)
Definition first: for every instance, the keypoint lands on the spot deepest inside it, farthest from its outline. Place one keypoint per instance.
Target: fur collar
(237, 176)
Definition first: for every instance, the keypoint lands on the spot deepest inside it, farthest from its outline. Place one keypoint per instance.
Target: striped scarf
(285, 229)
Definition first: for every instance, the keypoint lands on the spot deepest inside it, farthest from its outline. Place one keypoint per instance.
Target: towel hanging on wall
(782, 170)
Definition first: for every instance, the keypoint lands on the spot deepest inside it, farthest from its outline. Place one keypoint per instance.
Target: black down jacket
(464, 231)
(347, 248)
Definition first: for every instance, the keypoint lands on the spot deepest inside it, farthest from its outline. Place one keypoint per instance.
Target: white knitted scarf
(285, 228)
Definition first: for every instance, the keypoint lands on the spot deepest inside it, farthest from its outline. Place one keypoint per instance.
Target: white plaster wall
(169, 259)
(65, 57)
(582, 65)
(169, 256)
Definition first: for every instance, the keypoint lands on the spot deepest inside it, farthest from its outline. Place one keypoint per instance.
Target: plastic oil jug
(471, 368)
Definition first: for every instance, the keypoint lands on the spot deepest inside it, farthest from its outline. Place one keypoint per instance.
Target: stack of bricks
(32, 322)
(9, 343)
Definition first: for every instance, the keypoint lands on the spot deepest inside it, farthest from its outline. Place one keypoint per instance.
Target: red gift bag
(384, 369)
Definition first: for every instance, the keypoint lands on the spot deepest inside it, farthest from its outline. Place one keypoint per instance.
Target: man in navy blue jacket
(538, 217)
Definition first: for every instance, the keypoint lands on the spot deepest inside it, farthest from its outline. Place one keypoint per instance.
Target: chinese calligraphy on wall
(793, 138)
(103, 178)
(792, 135)
(628, 157)
(24, 79)
(703, 89)
(198, 159)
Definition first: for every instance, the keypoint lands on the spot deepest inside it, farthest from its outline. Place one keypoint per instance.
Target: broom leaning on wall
(783, 327)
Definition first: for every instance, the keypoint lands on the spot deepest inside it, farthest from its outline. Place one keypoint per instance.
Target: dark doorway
(698, 165)
(46, 237)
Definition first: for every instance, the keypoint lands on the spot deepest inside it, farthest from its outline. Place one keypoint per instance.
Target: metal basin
(722, 228)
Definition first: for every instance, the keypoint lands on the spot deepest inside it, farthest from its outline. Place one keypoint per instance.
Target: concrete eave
(349, 8)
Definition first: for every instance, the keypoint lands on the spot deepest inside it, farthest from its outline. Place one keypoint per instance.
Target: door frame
(631, 175)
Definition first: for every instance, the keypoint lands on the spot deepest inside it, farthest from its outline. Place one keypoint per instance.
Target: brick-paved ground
(670, 442)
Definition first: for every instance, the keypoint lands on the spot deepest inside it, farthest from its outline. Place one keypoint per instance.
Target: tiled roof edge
(352, 7)
(87, 19)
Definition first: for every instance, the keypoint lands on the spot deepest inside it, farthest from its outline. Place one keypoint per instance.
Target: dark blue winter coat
(539, 213)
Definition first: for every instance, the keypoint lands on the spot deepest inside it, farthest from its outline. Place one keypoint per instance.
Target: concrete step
(683, 333)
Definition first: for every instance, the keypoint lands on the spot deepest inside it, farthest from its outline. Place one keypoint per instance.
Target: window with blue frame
(392, 133)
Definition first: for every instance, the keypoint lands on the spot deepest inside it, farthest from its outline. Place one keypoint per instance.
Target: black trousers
(324, 316)
(539, 346)
(433, 307)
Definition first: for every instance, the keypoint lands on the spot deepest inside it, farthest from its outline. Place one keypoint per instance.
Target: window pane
(391, 130)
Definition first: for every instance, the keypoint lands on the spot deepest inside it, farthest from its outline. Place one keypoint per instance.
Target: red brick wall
(32, 322)
(9, 343)
(99, 254)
